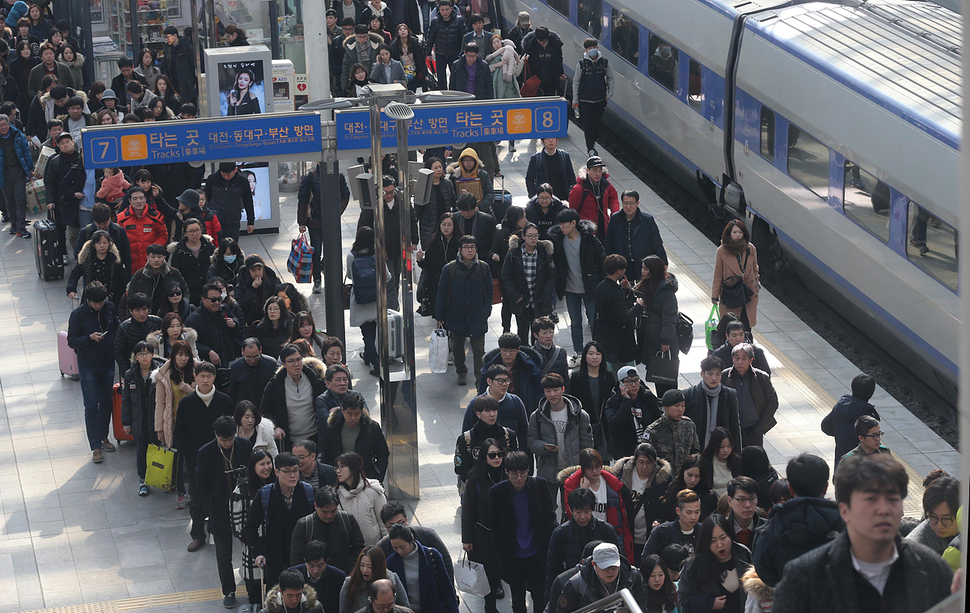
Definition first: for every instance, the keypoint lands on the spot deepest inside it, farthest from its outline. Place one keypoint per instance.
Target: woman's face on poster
(243, 81)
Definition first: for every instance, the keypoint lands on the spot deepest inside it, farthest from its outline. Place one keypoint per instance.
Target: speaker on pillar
(422, 185)
(360, 189)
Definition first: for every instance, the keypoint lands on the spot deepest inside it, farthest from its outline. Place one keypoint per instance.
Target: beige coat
(365, 504)
(164, 411)
(726, 265)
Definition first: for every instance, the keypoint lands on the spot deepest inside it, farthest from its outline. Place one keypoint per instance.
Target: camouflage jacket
(674, 440)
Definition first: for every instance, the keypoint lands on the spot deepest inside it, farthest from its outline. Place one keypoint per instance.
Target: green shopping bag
(710, 326)
(161, 462)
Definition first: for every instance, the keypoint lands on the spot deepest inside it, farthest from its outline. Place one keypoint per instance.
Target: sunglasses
(494, 455)
(176, 293)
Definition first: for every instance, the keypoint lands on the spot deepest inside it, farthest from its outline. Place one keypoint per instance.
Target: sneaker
(181, 502)
(196, 545)
(554, 317)
(573, 361)
(375, 372)
(317, 287)
(97, 457)
(451, 358)
(462, 378)
(229, 601)
(923, 249)
(12, 230)
(143, 489)
(23, 234)
(107, 446)
(511, 145)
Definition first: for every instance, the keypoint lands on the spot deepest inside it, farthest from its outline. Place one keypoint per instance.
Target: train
(832, 128)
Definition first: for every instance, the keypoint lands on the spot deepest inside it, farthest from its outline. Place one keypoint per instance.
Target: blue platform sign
(435, 125)
(196, 140)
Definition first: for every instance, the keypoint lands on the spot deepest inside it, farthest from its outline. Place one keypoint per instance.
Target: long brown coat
(726, 265)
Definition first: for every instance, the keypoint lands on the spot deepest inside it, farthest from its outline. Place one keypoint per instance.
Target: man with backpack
(464, 303)
(277, 509)
(326, 524)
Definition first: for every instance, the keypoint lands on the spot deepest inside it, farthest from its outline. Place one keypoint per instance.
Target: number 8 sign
(547, 119)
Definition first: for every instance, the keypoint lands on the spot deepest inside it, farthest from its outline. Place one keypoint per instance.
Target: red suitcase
(116, 427)
(66, 358)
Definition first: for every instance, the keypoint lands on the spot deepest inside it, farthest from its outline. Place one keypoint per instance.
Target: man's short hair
(516, 460)
(388, 180)
(392, 509)
(399, 532)
(224, 426)
(808, 475)
(360, 28)
(347, 22)
(95, 291)
(674, 555)
(466, 202)
(203, 366)
(75, 101)
(125, 62)
(308, 444)
(101, 212)
(476, 18)
(732, 326)
(509, 340)
(314, 551)
(864, 424)
(227, 166)
(542, 323)
(138, 300)
(745, 484)
(485, 403)
(352, 400)
(171, 30)
(214, 287)
(590, 42)
(712, 363)
(54, 123)
(630, 193)
(468, 239)
(943, 489)
(188, 109)
(748, 348)
(471, 48)
(589, 458)
(249, 341)
(58, 91)
(496, 370)
(863, 386)
(553, 380)
(291, 580)
(581, 499)
(685, 497)
(567, 215)
(865, 472)
(323, 496)
(333, 369)
(613, 263)
(285, 460)
(442, 3)
(154, 249)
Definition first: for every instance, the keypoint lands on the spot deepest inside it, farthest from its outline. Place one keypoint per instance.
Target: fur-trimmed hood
(274, 602)
(338, 415)
(87, 251)
(316, 364)
(623, 469)
(376, 40)
(754, 586)
(546, 245)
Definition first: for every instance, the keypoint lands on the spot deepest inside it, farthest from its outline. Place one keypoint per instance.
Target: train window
(767, 134)
(863, 199)
(626, 37)
(589, 15)
(560, 6)
(932, 245)
(664, 60)
(808, 161)
(695, 93)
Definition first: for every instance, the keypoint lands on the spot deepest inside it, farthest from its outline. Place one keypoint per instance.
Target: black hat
(594, 161)
(189, 198)
(672, 397)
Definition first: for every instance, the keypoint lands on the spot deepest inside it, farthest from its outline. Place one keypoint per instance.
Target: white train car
(844, 131)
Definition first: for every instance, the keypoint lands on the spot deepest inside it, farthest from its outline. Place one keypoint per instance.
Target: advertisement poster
(259, 183)
(242, 88)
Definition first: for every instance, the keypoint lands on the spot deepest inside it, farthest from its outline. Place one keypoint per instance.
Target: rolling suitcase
(47, 250)
(395, 334)
(501, 201)
(116, 427)
(66, 358)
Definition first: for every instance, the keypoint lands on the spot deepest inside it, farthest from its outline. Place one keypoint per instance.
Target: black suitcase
(47, 250)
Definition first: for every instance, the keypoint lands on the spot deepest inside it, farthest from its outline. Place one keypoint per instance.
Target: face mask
(223, 296)
(594, 53)
(229, 259)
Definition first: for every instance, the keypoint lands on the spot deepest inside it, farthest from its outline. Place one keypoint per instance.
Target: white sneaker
(317, 287)
(451, 358)
(573, 361)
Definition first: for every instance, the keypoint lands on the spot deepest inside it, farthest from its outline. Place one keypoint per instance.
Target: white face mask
(593, 53)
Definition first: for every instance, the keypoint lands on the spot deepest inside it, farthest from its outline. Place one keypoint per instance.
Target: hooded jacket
(657, 485)
(110, 271)
(352, 56)
(526, 381)
(371, 445)
(22, 147)
(153, 284)
(458, 175)
(149, 229)
(760, 596)
(585, 588)
(365, 504)
(634, 240)
(52, 111)
(591, 256)
(515, 291)
(840, 423)
(194, 269)
(309, 604)
(542, 430)
(545, 62)
(250, 298)
(618, 504)
(586, 79)
(138, 399)
(118, 236)
(620, 427)
(793, 529)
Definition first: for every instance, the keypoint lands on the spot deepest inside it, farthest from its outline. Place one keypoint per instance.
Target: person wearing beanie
(523, 25)
(673, 435)
(256, 283)
(227, 193)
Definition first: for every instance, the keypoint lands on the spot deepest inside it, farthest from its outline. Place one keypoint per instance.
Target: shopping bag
(300, 262)
(438, 350)
(662, 368)
(470, 577)
(161, 462)
(710, 327)
(496, 291)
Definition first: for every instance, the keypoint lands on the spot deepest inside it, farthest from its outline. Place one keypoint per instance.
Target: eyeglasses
(946, 522)
(502, 381)
(294, 361)
(288, 471)
(532, 236)
(631, 381)
(746, 501)
(142, 354)
(518, 474)
(494, 455)
(878, 435)
(302, 458)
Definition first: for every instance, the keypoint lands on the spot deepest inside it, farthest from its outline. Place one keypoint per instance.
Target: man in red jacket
(593, 195)
(143, 226)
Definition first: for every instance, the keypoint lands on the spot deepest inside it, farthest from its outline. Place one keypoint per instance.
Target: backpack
(363, 273)
(684, 328)
(266, 490)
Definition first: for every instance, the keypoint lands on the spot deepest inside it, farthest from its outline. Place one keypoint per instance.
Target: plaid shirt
(530, 266)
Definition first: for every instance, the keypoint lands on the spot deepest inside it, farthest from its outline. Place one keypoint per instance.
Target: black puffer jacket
(657, 324)
(250, 298)
(128, 334)
(444, 37)
(794, 528)
(568, 541)
(514, 284)
(138, 398)
(194, 269)
(591, 256)
(111, 271)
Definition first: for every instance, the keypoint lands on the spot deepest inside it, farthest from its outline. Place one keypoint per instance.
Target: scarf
(735, 247)
(206, 398)
(712, 398)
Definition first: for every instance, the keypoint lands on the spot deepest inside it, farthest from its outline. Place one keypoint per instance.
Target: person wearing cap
(603, 574)
(523, 25)
(628, 412)
(256, 283)
(595, 197)
(109, 100)
(634, 235)
(190, 207)
(227, 193)
(673, 435)
(64, 178)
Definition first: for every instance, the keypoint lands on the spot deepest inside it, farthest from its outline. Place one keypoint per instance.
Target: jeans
(96, 382)
(591, 116)
(527, 570)
(478, 351)
(316, 241)
(368, 330)
(85, 218)
(230, 230)
(574, 304)
(15, 196)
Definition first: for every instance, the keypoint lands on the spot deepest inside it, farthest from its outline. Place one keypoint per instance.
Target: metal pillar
(133, 25)
(964, 268)
(197, 51)
(317, 51)
(274, 29)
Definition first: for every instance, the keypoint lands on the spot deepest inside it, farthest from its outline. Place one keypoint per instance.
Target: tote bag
(470, 577)
(300, 262)
(438, 350)
(161, 461)
(663, 368)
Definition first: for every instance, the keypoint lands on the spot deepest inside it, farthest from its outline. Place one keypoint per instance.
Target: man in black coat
(249, 374)
(197, 413)
(570, 539)
(868, 567)
(443, 38)
(840, 423)
(469, 219)
(370, 443)
(577, 284)
(227, 194)
(325, 579)
(178, 63)
(462, 80)
(394, 513)
(615, 323)
(101, 214)
(134, 330)
(327, 524)
(392, 235)
(219, 331)
(219, 464)
(551, 165)
(544, 49)
(603, 574)
(309, 212)
(126, 74)
(633, 234)
(628, 412)
(710, 404)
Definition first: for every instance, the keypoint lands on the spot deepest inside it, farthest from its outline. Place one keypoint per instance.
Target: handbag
(684, 329)
(300, 262)
(438, 350)
(737, 294)
(530, 88)
(346, 294)
(161, 461)
(662, 368)
(710, 327)
(470, 577)
(496, 291)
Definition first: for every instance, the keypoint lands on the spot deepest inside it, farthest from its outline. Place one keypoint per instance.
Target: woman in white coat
(255, 428)
(361, 497)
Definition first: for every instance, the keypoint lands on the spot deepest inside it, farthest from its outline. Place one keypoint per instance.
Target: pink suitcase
(66, 358)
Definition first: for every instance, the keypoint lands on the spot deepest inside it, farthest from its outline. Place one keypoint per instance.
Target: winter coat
(151, 75)
(272, 339)
(365, 504)
(591, 256)
(193, 423)
(130, 333)
(210, 473)
(698, 403)
(250, 298)
(22, 147)
(436, 586)
(429, 538)
(620, 427)
(194, 269)
(583, 199)
(615, 321)
(651, 505)
(110, 271)
(154, 284)
(216, 335)
(180, 62)
(388, 73)
(309, 211)
(484, 86)
(568, 541)
(429, 214)
(618, 504)
(190, 336)
(526, 380)
(211, 226)
(634, 240)
(502, 519)
(352, 56)
(516, 293)
(342, 535)
(149, 229)
(458, 175)
(544, 62)
(696, 597)
(61, 173)
(392, 228)
(371, 445)
(544, 221)
(309, 604)
(355, 10)
(273, 403)
(269, 532)
(361, 313)
(218, 267)
(444, 37)
(670, 532)
(83, 322)
(165, 410)
(826, 580)
(437, 255)
(483, 229)
(585, 588)
(52, 111)
(840, 423)
(657, 323)
(468, 446)
(118, 84)
(760, 596)
(354, 603)
(228, 199)
(37, 73)
(793, 529)
(118, 236)
(760, 361)
(762, 392)
(725, 266)
(475, 514)
(464, 297)
(138, 399)
(542, 430)
(538, 172)
(578, 386)
(591, 64)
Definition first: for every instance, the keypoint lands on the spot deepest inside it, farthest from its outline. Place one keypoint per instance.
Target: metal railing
(618, 601)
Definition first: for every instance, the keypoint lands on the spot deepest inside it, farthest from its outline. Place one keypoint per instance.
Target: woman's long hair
(648, 286)
(363, 242)
(480, 469)
(301, 318)
(703, 486)
(714, 444)
(583, 367)
(178, 376)
(378, 569)
(265, 325)
(437, 229)
(235, 83)
(664, 599)
(355, 464)
(512, 217)
(705, 563)
(253, 481)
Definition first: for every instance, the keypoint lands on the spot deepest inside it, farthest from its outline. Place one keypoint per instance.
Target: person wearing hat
(190, 207)
(605, 573)
(628, 412)
(256, 283)
(594, 196)
(226, 194)
(673, 435)
(109, 100)
(523, 25)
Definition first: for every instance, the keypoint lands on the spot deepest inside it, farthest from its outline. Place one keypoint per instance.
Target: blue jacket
(84, 321)
(840, 423)
(634, 240)
(437, 590)
(464, 298)
(22, 147)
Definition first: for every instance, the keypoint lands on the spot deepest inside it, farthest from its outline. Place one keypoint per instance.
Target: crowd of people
(578, 476)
